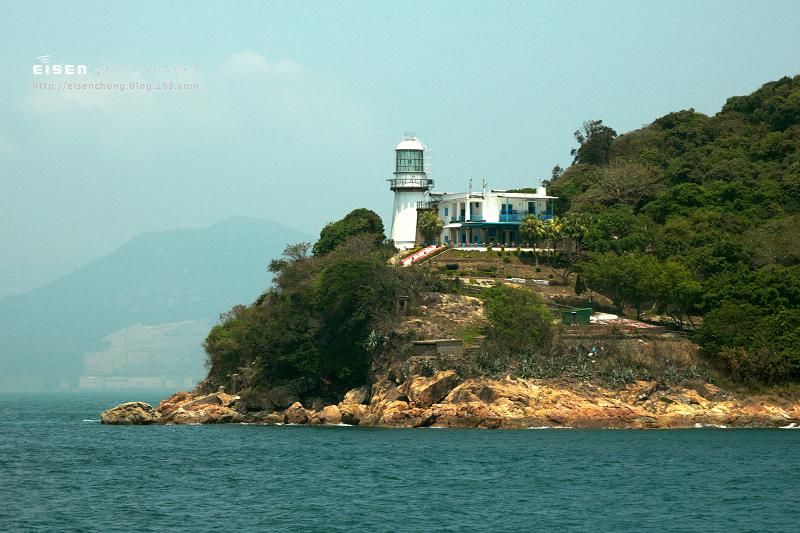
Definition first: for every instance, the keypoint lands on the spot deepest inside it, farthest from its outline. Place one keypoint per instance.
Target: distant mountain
(156, 278)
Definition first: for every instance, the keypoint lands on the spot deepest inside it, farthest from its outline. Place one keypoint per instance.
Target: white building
(470, 218)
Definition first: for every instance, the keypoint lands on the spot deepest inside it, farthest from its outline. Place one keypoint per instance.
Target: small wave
(91, 420)
(550, 427)
(698, 425)
(793, 425)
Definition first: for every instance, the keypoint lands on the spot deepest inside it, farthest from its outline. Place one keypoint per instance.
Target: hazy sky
(299, 105)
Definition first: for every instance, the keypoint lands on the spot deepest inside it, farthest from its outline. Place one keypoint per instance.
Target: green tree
(626, 279)
(752, 345)
(677, 290)
(594, 143)
(574, 227)
(429, 225)
(532, 230)
(520, 322)
(554, 234)
(358, 221)
(349, 294)
(619, 230)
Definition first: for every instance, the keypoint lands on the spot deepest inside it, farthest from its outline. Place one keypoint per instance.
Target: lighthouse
(410, 185)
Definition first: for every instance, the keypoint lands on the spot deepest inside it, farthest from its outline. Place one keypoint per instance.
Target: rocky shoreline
(445, 400)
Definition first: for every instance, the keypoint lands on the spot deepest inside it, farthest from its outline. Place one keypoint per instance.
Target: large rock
(203, 413)
(355, 396)
(182, 416)
(297, 414)
(352, 413)
(134, 413)
(330, 414)
(270, 417)
(386, 391)
(424, 392)
(400, 414)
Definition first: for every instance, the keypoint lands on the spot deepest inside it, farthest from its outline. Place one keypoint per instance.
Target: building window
(445, 211)
(409, 161)
(531, 208)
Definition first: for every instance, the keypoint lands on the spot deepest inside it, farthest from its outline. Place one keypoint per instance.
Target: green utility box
(576, 317)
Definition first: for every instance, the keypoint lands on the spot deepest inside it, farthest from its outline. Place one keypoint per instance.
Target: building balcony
(518, 217)
(410, 183)
(512, 217)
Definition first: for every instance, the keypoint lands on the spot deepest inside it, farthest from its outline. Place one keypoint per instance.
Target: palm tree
(532, 229)
(430, 226)
(553, 232)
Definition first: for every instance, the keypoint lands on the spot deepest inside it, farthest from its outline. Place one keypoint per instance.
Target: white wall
(404, 218)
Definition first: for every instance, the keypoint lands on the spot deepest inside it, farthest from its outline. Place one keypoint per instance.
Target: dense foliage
(520, 323)
(697, 215)
(358, 221)
(321, 320)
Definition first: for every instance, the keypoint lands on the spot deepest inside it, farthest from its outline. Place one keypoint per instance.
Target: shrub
(519, 321)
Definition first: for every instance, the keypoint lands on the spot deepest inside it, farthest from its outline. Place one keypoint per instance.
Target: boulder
(330, 414)
(182, 416)
(386, 391)
(271, 417)
(400, 414)
(424, 392)
(174, 401)
(202, 413)
(355, 396)
(219, 414)
(296, 414)
(132, 413)
(352, 413)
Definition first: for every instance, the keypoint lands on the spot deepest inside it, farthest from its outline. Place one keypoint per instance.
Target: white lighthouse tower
(410, 185)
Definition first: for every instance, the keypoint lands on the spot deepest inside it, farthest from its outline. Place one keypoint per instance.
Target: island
(655, 283)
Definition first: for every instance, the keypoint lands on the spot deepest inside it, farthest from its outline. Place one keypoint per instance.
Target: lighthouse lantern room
(411, 186)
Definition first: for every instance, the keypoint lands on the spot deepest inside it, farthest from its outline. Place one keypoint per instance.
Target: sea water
(61, 470)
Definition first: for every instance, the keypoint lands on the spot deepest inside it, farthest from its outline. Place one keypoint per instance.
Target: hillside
(708, 205)
(156, 278)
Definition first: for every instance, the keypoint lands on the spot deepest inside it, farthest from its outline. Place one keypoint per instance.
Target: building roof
(411, 144)
(441, 196)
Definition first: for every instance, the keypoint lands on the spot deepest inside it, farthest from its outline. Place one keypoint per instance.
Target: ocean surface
(61, 470)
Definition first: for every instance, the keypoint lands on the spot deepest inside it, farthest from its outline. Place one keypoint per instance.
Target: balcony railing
(518, 217)
(410, 183)
(504, 217)
(512, 217)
